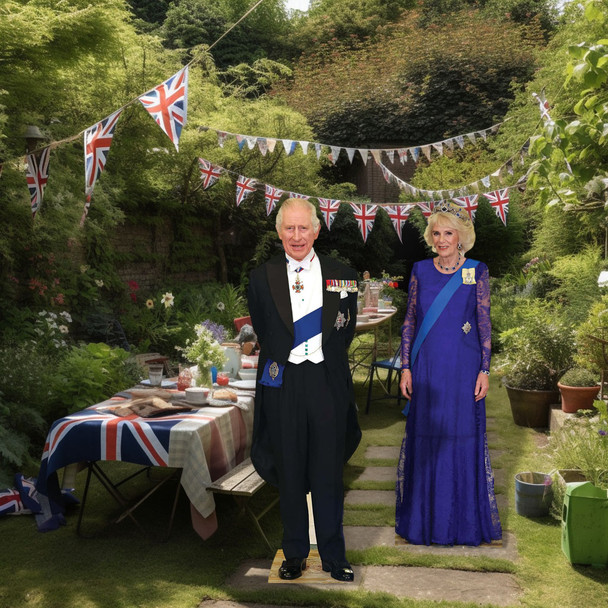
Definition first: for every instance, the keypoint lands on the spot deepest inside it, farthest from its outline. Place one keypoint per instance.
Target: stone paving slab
(364, 537)
(378, 474)
(370, 497)
(384, 452)
(402, 581)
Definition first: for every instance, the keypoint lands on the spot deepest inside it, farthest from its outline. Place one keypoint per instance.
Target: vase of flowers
(206, 351)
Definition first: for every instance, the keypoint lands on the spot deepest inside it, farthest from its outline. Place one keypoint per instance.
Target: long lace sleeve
(484, 325)
(409, 324)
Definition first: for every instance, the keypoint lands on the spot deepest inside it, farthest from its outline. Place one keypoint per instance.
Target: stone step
(370, 497)
(378, 474)
(437, 584)
(384, 452)
(364, 537)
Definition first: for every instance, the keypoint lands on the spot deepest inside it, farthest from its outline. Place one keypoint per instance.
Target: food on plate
(225, 394)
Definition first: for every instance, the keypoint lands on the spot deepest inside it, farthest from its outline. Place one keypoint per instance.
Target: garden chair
(391, 366)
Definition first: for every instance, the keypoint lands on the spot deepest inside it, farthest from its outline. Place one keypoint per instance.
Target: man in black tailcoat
(303, 309)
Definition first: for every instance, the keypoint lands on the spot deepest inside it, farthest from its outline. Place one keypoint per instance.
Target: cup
(155, 373)
(197, 395)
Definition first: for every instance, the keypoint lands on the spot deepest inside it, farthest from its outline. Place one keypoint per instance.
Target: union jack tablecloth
(205, 444)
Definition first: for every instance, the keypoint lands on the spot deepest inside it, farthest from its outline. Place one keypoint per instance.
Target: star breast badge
(466, 328)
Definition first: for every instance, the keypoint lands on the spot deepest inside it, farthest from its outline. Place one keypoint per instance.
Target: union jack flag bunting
(10, 502)
(469, 203)
(37, 177)
(399, 214)
(499, 199)
(97, 141)
(365, 216)
(168, 104)
(27, 491)
(272, 197)
(426, 208)
(329, 207)
(210, 173)
(297, 195)
(244, 187)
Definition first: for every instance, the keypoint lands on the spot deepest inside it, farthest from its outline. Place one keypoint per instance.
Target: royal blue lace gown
(445, 484)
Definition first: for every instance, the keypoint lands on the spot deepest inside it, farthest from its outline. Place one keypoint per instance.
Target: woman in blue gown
(445, 484)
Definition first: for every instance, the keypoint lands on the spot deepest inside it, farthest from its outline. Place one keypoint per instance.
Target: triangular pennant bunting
(97, 141)
(499, 199)
(298, 195)
(168, 104)
(364, 152)
(209, 173)
(272, 197)
(350, 153)
(244, 187)
(365, 216)
(37, 177)
(221, 138)
(262, 145)
(289, 145)
(329, 207)
(271, 143)
(399, 215)
(469, 203)
(426, 208)
(304, 145)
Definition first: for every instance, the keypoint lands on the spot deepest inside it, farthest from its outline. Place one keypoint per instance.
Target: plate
(192, 403)
(248, 385)
(220, 403)
(164, 383)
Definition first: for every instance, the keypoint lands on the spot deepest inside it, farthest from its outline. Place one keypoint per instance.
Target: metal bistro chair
(392, 365)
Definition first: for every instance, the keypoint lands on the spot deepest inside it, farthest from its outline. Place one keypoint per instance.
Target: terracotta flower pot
(576, 398)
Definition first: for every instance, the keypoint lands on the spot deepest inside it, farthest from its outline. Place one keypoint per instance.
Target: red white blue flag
(10, 502)
(329, 207)
(37, 177)
(168, 104)
(97, 141)
(210, 173)
(271, 197)
(469, 203)
(244, 187)
(499, 199)
(365, 216)
(426, 208)
(297, 195)
(399, 214)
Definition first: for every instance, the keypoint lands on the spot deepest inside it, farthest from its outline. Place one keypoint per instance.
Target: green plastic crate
(585, 524)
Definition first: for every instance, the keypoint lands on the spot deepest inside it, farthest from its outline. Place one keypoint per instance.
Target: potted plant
(535, 354)
(578, 388)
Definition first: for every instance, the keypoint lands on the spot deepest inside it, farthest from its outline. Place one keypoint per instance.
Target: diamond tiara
(454, 209)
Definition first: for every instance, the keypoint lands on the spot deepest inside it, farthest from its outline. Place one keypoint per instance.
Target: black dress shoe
(341, 571)
(292, 568)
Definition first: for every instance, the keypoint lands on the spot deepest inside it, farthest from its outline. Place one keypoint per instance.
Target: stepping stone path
(416, 583)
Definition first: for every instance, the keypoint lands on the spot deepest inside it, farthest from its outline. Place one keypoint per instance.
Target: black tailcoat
(271, 317)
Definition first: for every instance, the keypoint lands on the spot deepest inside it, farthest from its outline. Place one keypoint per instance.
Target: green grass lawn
(122, 568)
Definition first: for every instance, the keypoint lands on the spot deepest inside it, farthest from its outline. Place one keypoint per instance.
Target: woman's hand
(406, 383)
(481, 386)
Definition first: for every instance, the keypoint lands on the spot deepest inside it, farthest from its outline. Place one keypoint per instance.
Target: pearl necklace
(446, 268)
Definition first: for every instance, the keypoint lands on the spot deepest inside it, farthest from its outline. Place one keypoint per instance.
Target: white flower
(167, 299)
(63, 329)
(221, 306)
(99, 282)
(83, 268)
(66, 315)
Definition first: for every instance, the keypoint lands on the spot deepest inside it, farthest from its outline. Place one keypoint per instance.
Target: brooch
(342, 320)
(466, 328)
(273, 370)
(468, 276)
(298, 286)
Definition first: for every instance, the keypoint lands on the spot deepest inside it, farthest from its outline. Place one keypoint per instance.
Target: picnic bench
(242, 483)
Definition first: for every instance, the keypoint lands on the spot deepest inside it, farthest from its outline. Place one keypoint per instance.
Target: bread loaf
(224, 394)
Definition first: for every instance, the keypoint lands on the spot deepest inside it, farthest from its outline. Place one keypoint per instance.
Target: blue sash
(434, 312)
(305, 328)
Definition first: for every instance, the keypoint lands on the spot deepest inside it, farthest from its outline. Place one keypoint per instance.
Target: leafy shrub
(579, 376)
(590, 352)
(538, 351)
(91, 373)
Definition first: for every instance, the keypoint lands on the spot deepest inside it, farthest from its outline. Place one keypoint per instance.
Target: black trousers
(307, 429)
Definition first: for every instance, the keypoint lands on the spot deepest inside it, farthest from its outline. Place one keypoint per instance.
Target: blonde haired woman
(445, 485)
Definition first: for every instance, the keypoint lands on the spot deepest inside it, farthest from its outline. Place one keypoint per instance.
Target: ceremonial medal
(468, 276)
(340, 321)
(466, 328)
(298, 286)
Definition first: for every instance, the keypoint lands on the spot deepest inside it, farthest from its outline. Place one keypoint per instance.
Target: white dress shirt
(309, 298)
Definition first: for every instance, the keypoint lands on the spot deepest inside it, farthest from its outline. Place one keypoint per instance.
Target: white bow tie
(295, 266)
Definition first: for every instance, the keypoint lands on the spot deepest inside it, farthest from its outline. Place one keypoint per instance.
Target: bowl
(196, 395)
(248, 374)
